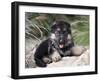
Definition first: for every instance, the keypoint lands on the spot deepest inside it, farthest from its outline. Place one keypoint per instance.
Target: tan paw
(55, 57)
(77, 50)
(47, 60)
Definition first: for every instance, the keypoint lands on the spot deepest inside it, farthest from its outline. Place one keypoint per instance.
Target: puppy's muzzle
(61, 42)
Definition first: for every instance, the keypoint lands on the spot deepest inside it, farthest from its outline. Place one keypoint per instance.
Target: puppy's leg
(40, 62)
(55, 56)
(77, 50)
(67, 53)
(47, 60)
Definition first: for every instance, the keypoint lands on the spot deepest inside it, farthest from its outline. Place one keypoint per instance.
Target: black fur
(42, 51)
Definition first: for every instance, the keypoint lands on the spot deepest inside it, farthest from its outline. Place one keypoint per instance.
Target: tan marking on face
(69, 37)
(64, 29)
(52, 36)
(58, 29)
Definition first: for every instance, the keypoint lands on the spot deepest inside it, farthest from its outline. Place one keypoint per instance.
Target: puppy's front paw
(55, 57)
(77, 50)
(47, 60)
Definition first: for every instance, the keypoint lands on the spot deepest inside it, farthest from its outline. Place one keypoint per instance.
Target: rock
(72, 61)
(81, 60)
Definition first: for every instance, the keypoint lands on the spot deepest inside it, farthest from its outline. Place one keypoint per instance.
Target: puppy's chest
(64, 51)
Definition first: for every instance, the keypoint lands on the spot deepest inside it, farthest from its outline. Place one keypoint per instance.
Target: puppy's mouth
(61, 45)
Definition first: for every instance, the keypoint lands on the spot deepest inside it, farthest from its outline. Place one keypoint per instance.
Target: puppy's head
(60, 32)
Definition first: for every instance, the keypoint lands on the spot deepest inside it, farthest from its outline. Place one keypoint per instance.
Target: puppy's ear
(68, 27)
(53, 26)
(54, 23)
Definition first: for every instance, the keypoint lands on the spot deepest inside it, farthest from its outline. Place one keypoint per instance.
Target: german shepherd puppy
(59, 44)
